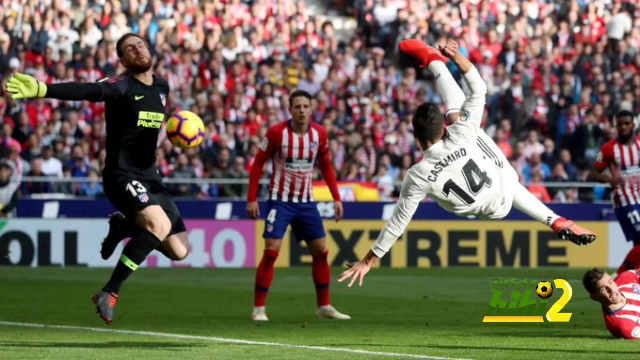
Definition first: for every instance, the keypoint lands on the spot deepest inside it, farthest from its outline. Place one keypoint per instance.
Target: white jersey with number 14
(460, 173)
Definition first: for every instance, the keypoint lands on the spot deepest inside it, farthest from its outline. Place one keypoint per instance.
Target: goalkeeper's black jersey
(134, 115)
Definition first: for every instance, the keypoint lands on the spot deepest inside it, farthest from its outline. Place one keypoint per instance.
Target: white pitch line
(225, 340)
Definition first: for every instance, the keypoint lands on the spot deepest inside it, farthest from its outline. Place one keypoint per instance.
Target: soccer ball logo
(185, 130)
(544, 289)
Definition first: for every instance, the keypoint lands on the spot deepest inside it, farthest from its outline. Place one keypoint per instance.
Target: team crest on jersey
(143, 197)
(636, 288)
(464, 116)
(163, 98)
(599, 157)
(265, 144)
(313, 146)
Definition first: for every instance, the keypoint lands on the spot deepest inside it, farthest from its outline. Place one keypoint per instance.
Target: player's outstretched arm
(414, 190)
(22, 86)
(473, 106)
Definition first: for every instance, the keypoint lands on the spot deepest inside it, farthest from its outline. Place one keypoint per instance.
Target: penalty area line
(224, 340)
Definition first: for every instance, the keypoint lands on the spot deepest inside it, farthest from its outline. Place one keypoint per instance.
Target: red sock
(321, 277)
(264, 275)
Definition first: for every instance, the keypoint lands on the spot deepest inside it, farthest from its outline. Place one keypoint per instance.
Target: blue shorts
(304, 219)
(629, 219)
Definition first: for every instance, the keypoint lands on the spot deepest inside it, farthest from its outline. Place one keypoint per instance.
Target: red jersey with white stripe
(625, 322)
(293, 159)
(624, 160)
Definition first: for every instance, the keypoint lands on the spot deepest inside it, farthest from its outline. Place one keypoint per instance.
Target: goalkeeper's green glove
(22, 86)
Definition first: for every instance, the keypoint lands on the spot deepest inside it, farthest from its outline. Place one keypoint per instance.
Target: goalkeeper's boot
(259, 314)
(115, 235)
(568, 230)
(422, 52)
(329, 312)
(105, 302)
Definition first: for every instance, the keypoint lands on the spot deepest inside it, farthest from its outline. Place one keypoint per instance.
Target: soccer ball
(185, 130)
(544, 289)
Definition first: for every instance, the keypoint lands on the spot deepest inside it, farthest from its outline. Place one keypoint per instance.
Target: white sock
(524, 201)
(451, 93)
(324, 307)
(256, 308)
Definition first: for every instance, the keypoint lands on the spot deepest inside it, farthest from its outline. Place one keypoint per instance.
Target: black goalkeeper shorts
(131, 193)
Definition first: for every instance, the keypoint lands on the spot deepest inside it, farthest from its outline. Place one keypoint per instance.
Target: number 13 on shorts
(136, 188)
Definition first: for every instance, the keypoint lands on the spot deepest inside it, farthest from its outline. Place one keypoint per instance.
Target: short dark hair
(299, 93)
(121, 40)
(590, 279)
(428, 122)
(623, 113)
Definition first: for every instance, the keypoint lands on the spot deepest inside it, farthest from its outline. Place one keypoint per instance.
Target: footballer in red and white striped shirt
(294, 146)
(620, 300)
(622, 157)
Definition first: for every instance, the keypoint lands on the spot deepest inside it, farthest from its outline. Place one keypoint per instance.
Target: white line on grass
(224, 340)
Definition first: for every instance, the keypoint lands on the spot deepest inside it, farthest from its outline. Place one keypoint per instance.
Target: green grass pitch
(409, 312)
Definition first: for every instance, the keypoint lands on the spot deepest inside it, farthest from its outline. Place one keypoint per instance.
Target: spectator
(33, 148)
(36, 187)
(92, 188)
(565, 159)
(78, 163)
(8, 192)
(549, 155)
(532, 145)
(66, 187)
(558, 174)
(182, 171)
(50, 166)
(237, 171)
(537, 189)
(535, 166)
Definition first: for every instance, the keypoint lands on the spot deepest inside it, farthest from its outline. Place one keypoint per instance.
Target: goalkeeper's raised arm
(22, 86)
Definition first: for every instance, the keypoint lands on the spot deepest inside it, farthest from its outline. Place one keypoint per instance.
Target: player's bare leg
(176, 247)
(154, 225)
(524, 201)
(322, 277)
(264, 276)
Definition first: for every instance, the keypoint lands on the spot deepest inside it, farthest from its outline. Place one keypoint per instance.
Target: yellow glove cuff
(42, 89)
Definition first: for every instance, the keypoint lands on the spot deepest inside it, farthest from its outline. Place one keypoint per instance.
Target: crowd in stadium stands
(556, 71)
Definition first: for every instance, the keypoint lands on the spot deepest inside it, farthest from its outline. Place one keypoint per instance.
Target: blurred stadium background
(556, 71)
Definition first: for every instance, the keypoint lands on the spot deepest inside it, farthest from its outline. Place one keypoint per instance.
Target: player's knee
(180, 254)
(272, 244)
(159, 226)
(317, 246)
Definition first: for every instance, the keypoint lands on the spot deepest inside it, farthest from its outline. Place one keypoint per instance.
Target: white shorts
(502, 202)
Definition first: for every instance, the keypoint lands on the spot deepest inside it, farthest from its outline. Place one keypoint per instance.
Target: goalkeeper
(135, 109)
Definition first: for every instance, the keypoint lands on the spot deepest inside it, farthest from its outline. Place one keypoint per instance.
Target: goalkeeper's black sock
(133, 255)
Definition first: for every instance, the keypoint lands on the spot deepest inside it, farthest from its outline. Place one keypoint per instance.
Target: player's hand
(616, 180)
(253, 210)
(337, 205)
(22, 86)
(357, 270)
(450, 49)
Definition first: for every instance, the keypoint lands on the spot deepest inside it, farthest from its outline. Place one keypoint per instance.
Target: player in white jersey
(461, 167)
